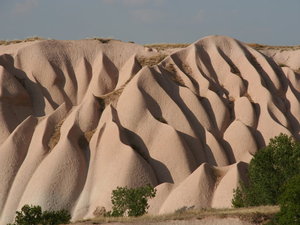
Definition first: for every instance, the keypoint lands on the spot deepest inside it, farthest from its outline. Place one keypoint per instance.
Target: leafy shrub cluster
(131, 201)
(33, 215)
(289, 203)
(269, 171)
(274, 178)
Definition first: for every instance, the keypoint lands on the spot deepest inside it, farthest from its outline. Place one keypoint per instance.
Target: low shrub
(33, 215)
(131, 201)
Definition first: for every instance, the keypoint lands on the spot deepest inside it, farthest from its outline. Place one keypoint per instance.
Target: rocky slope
(79, 118)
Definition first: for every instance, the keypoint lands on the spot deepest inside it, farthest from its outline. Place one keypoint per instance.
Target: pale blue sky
(274, 22)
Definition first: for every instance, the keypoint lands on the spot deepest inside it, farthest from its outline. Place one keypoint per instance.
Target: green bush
(131, 201)
(28, 215)
(56, 217)
(270, 168)
(289, 203)
(239, 196)
(33, 215)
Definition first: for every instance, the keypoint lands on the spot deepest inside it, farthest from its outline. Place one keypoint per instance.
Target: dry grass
(30, 39)
(186, 69)
(174, 76)
(54, 139)
(89, 134)
(257, 215)
(85, 139)
(152, 60)
(112, 97)
(164, 46)
(170, 67)
(272, 47)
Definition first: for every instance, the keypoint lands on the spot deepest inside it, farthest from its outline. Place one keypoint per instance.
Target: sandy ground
(206, 221)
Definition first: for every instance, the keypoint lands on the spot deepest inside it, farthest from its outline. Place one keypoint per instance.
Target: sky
(273, 22)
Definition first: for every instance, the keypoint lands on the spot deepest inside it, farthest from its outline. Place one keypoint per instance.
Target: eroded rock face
(79, 118)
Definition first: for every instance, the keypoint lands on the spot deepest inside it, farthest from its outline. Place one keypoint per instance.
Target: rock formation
(79, 118)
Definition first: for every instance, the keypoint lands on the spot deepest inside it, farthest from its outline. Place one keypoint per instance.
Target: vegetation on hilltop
(273, 47)
(9, 42)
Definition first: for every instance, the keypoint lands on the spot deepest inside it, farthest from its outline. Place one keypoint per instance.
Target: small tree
(33, 215)
(270, 168)
(131, 201)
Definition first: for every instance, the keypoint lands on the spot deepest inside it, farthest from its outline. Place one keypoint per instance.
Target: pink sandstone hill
(79, 118)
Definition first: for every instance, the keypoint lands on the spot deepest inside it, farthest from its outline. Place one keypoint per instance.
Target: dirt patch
(241, 216)
(205, 221)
